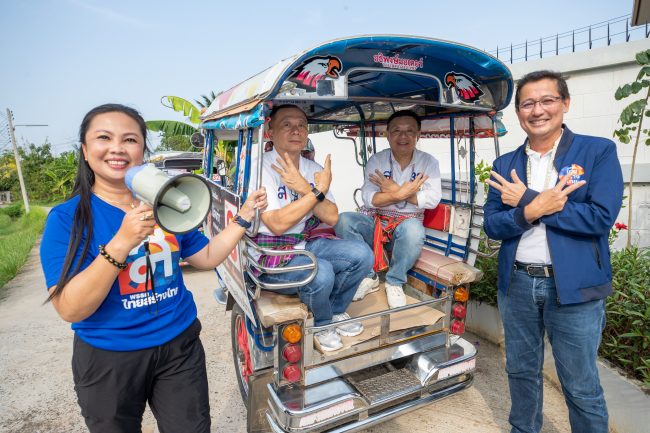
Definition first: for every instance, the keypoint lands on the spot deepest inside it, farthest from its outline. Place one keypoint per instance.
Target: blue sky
(60, 58)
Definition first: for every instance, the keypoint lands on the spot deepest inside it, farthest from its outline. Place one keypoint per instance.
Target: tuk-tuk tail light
(292, 353)
(459, 311)
(461, 294)
(292, 373)
(292, 333)
(457, 327)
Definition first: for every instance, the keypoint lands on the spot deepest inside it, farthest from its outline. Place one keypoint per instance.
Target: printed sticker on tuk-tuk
(467, 90)
(315, 69)
(575, 172)
(397, 62)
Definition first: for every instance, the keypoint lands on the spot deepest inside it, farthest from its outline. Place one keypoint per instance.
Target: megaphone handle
(149, 276)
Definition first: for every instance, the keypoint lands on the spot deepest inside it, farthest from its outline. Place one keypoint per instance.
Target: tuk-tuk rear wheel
(241, 350)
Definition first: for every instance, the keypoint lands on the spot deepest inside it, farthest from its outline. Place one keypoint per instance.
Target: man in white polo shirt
(299, 200)
(400, 182)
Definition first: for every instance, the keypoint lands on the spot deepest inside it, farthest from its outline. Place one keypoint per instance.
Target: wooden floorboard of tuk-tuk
(38, 394)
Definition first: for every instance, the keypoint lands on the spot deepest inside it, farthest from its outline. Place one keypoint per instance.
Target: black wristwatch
(241, 221)
(319, 195)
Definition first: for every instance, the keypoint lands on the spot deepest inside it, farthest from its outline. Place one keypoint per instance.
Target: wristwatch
(241, 221)
(319, 195)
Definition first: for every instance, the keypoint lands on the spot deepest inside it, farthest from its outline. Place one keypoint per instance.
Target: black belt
(535, 270)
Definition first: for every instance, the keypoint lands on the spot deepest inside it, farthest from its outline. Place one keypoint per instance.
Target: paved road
(36, 391)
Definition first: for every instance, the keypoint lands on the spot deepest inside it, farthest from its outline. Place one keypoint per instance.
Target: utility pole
(17, 156)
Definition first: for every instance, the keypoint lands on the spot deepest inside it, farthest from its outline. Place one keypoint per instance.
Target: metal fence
(614, 31)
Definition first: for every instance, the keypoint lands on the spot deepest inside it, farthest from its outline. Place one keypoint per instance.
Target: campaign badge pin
(575, 173)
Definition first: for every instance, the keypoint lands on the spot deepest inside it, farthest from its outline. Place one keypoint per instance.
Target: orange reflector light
(292, 333)
(292, 373)
(459, 311)
(292, 353)
(457, 327)
(461, 294)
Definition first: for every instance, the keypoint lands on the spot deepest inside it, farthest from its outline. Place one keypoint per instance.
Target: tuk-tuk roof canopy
(367, 78)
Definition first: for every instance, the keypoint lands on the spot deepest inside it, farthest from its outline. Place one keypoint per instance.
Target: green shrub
(14, 210)
(486, 289)
(626, 339)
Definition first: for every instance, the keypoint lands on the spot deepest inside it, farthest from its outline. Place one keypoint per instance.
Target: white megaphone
(179, 203)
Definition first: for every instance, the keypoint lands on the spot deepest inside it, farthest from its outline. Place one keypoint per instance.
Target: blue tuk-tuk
(407, 357)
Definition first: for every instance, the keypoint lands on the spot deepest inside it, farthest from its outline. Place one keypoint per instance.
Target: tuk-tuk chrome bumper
(346, 405)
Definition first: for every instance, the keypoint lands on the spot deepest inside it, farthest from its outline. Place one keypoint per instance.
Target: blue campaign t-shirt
(129, 318)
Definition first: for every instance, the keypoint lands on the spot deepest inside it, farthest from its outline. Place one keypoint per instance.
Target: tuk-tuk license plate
(456, 369)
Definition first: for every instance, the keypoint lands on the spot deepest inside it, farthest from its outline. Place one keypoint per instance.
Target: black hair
(535, 76)
(277, 108)
(82, 222)
(404, 113)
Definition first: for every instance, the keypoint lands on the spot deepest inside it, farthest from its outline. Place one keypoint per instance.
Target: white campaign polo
(422, 162)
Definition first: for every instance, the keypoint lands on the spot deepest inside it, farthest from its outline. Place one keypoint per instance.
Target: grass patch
(17, 237)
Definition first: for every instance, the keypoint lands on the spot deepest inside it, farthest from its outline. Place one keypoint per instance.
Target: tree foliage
(48, 178)
(631, 120)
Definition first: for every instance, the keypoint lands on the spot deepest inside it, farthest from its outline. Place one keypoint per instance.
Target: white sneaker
(367, 285)
(349, 329)
(395, 295)
(328, 340)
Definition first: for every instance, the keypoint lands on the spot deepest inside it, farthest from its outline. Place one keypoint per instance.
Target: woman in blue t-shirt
(132, 344)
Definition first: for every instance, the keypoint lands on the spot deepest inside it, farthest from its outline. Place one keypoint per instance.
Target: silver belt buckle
(532, 267)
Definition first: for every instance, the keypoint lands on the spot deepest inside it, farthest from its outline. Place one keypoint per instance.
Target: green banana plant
(173, 127)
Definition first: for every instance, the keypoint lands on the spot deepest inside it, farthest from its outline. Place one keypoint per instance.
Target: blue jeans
(406, 244)
(342, 264)
(530, 308)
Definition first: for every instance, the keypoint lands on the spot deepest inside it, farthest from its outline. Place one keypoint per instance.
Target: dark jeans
(342, 264)
(528, 310)
(114, 387)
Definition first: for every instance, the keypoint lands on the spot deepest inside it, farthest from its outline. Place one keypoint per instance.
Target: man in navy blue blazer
(552, 203)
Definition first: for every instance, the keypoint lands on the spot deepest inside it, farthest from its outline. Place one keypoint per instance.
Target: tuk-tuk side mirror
(219, 167)
(197, 139)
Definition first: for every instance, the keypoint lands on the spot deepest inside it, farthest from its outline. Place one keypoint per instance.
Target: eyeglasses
(546, 102)
(409, 132)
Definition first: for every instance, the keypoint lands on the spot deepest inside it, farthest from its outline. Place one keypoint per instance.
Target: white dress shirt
(533, 247)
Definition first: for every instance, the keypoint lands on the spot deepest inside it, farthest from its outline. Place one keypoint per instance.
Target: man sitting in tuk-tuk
(400, 183)
(299, 200)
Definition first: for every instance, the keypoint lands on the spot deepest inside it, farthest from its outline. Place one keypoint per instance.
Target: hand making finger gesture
(290, 174)
(413, 186)
(323, 178)
(511, 192)
(553, 199)
(384, 183)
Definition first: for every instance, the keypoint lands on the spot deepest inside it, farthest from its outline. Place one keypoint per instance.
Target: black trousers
(114, 387)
